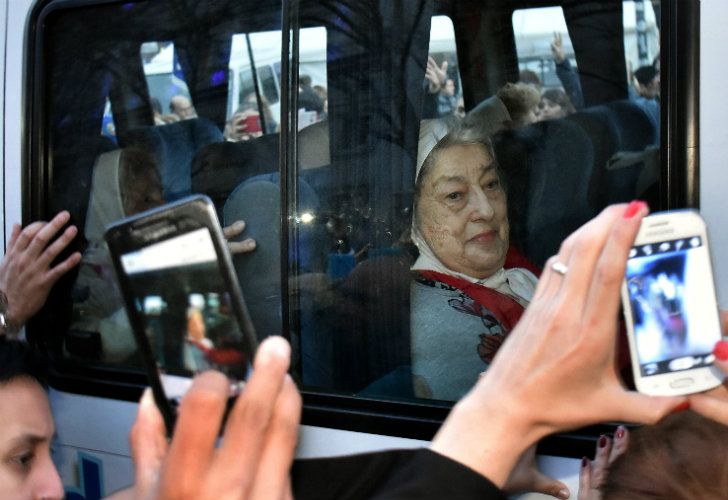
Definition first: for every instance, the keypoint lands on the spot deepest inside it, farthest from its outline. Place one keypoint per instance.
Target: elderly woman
(468, 292)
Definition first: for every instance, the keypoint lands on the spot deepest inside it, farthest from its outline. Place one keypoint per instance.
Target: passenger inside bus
(466, 297)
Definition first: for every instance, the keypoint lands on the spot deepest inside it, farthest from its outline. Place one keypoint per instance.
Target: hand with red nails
(714, 403)
(594, 472)
(257, 448)
(556, 371)
(26, 271)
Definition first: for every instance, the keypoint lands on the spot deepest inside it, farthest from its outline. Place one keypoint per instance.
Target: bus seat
(73, 174)
(257, 202)
(547, 167)
(601, 128)
(313, 146)
(636, 128)
(219, 167)
(629, 166)
(174, 146)
(105, 205)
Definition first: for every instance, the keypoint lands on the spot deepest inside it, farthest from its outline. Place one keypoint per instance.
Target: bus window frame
(678, 188)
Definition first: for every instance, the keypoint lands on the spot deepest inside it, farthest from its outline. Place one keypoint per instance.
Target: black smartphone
(182, 298)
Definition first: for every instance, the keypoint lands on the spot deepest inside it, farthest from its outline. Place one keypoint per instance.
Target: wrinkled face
(549, 110)
(462, 211)
(26, 468)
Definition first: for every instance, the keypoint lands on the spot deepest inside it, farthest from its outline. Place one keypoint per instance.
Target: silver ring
(559, 268)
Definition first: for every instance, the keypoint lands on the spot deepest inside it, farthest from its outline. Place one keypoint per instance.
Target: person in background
(645, 92)
(682, 457)
(514, 106)
(566, 73)
(27, 271)
(26, 467)
(529, 77)
(182, 107)
(554, 104)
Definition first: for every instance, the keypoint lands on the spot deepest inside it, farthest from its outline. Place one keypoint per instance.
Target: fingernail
(584, 462)
(685, 405)
(620, 432)
(602, 441)
(274, 346)
(633, 208)
(721, 350)
(564, 494)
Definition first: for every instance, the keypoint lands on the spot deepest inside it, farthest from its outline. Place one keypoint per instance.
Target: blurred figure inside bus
(182, 107)
(645, 92)
(554, 104)
(26, 433)
(514, 106)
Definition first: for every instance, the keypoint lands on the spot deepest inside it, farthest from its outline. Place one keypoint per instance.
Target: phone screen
(181, 296)
(672, 304)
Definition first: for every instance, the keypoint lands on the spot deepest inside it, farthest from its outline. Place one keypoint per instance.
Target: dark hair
(528, 76)
(645, 74)
(17, 359)
(684, 456)
(558, 96)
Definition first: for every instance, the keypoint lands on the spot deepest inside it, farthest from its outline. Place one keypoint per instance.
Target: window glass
(166, 88)
(444, 96)
(168, 93)
(392, 285)
(542, 42)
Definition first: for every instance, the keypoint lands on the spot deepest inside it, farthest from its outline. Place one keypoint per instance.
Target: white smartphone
(670, 306)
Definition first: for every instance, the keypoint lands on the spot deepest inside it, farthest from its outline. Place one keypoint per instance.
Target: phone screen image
(181, 296)
(670, 291)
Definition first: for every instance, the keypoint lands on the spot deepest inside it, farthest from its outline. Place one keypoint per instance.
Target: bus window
(373, 303)
(265, 49)
(539, 33)
(444, 96)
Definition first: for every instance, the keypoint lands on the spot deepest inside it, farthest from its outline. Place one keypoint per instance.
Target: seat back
(174, 146)
(547, 168)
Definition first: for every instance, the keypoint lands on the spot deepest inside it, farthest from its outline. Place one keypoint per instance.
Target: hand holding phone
(670, 306)
(182, 298)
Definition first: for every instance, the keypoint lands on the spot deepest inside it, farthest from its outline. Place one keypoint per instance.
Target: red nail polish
(584, 462)
(721, 350)
(602, 441)
(633, 208)
(681, 407)
(620, 432)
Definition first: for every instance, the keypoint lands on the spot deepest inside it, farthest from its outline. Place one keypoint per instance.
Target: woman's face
(549, 110)
(462, 211)
(26, 468)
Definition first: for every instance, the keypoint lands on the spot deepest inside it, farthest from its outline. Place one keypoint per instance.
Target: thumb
(444, 66)
(148, 446)
(549, 486)
(643, 409)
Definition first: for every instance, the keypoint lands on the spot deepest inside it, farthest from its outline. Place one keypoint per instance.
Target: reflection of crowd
(659, 302)
(444, 97)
